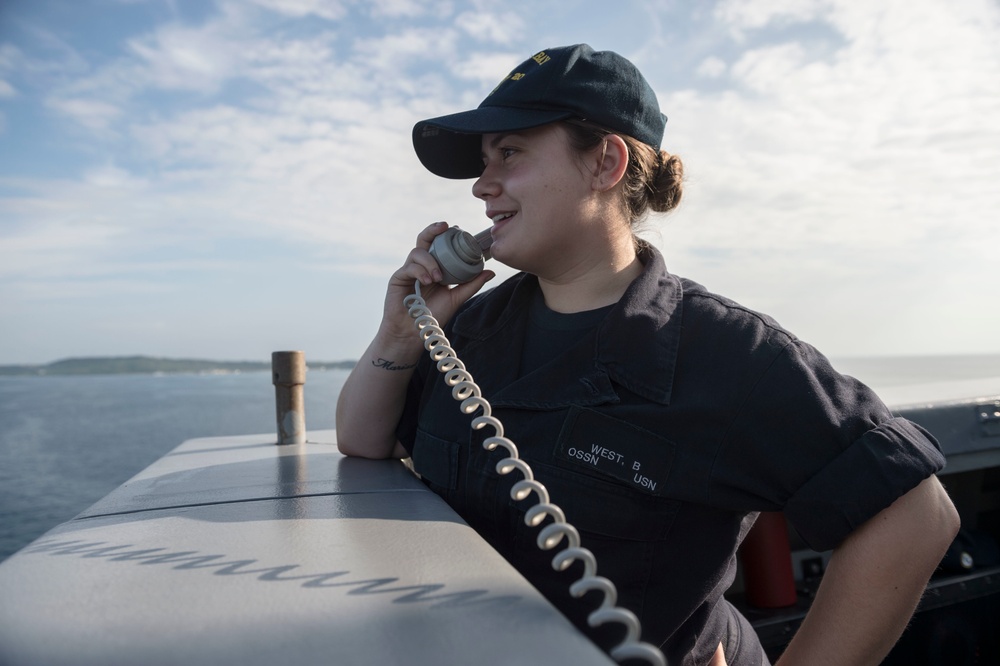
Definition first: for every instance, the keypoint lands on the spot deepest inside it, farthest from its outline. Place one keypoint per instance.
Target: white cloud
(61, 243)
(10, 55)
(409, 8)
(743, 15)
(326, 9)
(181, 57)
(111, 176)
(712, 67)
(394, 54)
(500, 28)
(485, 69)
(91, 113)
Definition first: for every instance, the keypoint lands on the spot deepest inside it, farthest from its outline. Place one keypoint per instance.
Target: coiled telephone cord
(465, 390)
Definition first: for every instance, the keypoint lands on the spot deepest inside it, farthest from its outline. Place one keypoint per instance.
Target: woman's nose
(486, 185)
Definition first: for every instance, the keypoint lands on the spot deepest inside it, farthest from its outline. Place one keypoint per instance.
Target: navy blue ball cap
(560, 83)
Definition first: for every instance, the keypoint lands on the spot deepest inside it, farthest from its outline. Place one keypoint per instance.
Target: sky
(222, 179)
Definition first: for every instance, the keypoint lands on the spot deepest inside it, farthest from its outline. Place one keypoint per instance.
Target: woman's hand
(374, 394)
(441, 299)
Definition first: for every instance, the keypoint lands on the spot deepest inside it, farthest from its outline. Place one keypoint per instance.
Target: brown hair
(653, 179)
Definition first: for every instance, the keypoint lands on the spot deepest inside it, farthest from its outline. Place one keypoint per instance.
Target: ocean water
(66, 442)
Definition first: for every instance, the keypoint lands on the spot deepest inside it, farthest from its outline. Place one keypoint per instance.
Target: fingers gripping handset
(460, 255)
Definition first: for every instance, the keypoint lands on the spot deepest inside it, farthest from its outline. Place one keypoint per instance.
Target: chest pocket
(610, 477)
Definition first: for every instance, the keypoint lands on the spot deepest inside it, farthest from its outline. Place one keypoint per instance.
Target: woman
(661, 417)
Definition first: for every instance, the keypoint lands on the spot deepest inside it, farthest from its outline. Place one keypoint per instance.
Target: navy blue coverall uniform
(661, 432)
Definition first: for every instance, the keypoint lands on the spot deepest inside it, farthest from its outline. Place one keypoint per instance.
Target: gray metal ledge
(234, 550)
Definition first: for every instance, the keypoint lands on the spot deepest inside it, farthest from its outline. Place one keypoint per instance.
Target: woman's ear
(611, 163)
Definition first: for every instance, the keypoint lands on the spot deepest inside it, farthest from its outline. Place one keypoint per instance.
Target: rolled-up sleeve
(872, 473)
(820, 446)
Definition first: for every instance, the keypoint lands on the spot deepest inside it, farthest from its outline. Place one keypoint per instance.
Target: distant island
(134, 365)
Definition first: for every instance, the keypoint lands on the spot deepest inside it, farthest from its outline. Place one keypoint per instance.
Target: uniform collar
(636, 345)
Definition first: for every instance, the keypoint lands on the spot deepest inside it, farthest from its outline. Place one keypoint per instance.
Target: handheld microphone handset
(461, 255)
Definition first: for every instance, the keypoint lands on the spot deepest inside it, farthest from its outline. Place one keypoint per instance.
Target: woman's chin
(498, 252)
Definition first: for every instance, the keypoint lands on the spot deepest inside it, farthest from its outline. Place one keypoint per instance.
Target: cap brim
(450, 146)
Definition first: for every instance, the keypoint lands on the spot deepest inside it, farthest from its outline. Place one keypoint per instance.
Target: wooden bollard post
(288, 368)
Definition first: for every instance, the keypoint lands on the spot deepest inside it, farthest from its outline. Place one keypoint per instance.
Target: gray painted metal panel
(234, 469)
(234, 550)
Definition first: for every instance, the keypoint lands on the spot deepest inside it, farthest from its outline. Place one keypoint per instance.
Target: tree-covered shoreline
(121, 365)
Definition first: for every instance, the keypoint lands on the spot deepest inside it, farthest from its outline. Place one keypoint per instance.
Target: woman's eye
(507, 152)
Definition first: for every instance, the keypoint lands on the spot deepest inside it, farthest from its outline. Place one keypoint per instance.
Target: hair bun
(667, 183)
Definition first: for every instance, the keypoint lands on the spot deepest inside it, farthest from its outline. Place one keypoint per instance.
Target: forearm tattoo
(386, 364)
